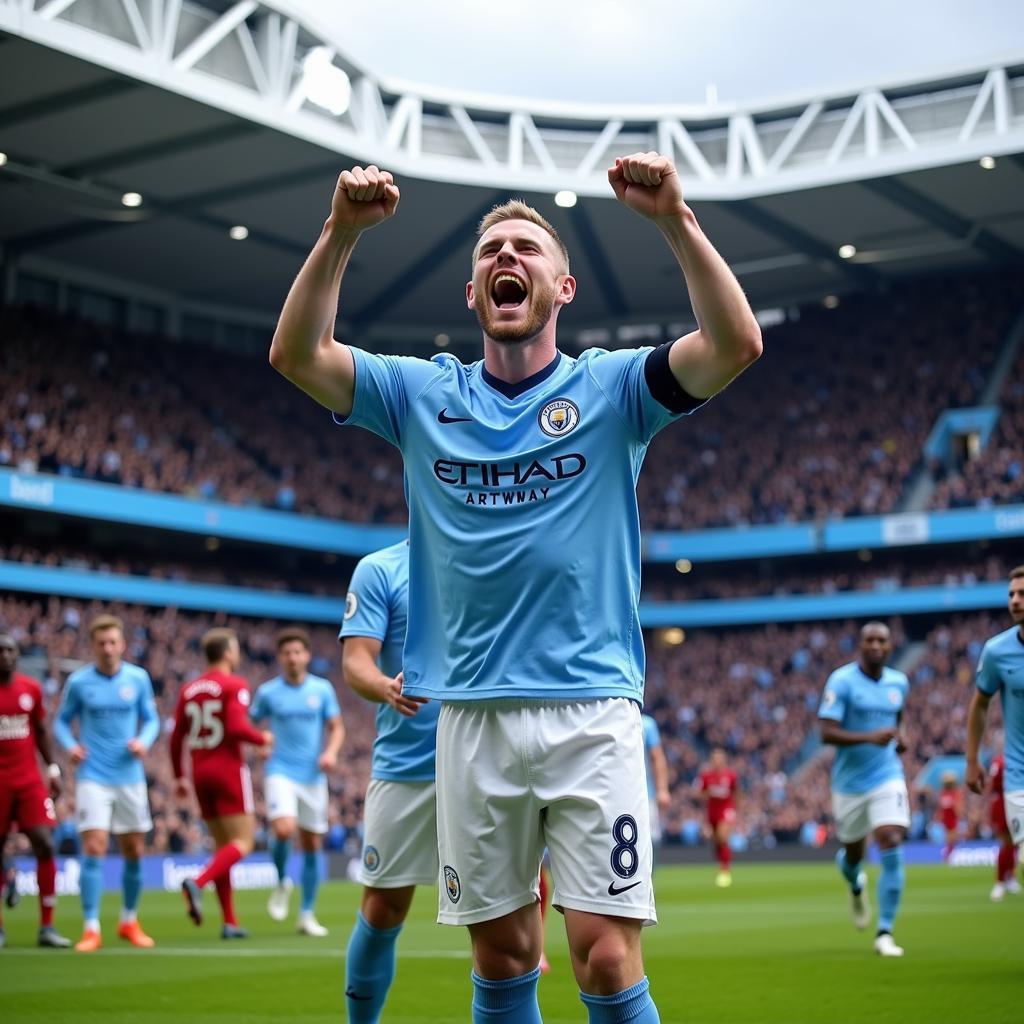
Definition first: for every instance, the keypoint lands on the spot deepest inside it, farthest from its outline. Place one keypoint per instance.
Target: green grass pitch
(777, 946)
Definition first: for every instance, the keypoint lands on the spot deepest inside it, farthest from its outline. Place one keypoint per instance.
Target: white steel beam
(724, 151)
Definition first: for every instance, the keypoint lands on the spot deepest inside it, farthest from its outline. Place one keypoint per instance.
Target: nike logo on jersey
(350, 993)
(443, 417)
(613, 891)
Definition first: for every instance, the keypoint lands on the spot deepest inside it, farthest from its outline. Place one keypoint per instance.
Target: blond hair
(104, 622)
(1016, 574)
(216, 643)
(516, 209)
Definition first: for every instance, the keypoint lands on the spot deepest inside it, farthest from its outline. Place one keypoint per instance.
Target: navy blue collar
(515, 390)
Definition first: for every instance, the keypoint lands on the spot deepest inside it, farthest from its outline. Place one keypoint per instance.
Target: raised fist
(363, 198)
(647, 183)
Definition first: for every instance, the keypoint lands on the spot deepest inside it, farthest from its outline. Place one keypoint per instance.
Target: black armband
(664, 387)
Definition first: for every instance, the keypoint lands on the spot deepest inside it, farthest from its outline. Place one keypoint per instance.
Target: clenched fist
(649, 184)
(363, 198)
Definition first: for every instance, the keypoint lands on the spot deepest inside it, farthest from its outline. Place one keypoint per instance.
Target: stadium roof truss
(246, 58)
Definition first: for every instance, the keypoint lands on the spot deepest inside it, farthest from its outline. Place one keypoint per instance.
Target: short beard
(542, 304)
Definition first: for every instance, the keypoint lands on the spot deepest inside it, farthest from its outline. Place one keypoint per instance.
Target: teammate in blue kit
(299, 707)
(113, 703)
(1001, 670)
(658, 797)
(860, 715)
(524, 571)
(400, 819)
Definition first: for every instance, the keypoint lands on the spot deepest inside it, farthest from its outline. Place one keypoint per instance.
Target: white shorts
(514, 776)
(1014, 804)
(399, 834)
(115, 809)
(858, 814)
(304, 801)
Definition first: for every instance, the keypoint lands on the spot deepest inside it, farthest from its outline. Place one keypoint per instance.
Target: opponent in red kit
(949, 811)
(212, 721)
(1006, 863)
(717, 785)
(24, 796)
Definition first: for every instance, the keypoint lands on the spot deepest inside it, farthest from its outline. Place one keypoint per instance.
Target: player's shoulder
(842, 675)
(29, 683)
(136, 673)
(83, 673)
(894, 677)
(318, 683)
(270, 686)
(1006, 642)
(385, 559)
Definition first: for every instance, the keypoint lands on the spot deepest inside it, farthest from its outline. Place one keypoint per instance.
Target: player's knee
(42, 844)
(384, 909)
(506, 952)
(889, 837)
(284, 828)
(95, 844)
(608, 962)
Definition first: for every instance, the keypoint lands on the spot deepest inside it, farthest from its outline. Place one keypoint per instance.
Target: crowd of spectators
(753, 692)
(830, 422)
(996, 475)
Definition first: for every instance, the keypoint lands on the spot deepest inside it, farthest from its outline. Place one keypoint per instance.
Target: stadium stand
(175, 417)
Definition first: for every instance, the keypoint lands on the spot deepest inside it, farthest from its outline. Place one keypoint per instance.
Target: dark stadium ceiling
(77, 136)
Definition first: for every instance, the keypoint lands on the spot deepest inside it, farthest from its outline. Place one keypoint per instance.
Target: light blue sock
(280, 852)
(90, 886)
(512, 1001)
(131, 883)
(849, 871)
(310, 880)
(369, 970)
(633, 1006)
(890, 887)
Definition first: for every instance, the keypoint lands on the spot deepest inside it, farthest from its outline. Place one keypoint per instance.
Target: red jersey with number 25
(21, 715)
(212, 721)
(721, 789)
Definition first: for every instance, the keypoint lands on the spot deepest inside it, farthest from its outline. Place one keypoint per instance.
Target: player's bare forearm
(835, 735)
(45, 747)
(728, 338)
(976, 715)
(335, 737)
(365, 678)
(304, 349)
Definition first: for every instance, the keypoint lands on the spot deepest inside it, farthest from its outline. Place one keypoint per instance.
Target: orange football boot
(132, 931)
(89, 942)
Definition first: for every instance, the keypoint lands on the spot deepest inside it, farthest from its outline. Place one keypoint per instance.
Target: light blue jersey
(524, 573)
(297, 716)
(110, 710)
(652, 739)
(377, 607)
(1001, 670)
(861, 704)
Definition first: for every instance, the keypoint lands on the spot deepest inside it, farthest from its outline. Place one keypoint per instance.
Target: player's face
(1016, 601)
(8, 657)
(294, 658)
(107, 648)
(518, 280)
(875, 646)
(718, 759)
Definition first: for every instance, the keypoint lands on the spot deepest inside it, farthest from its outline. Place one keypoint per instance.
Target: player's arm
(728, 338)
(700, 790)
(335, 739)
(177, 746)
(238, 725)
(835, 735)
(359, 662)
(70, 708)
(976, 715)
(45, 747)
(303, 348)
(149, 721)
(659, 769)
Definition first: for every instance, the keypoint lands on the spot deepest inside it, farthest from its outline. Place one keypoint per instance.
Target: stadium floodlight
(3, 159)
(565, 198)
(847, 251)
(131, 199)
(324, 84)
(442, 340)
(830, 301)
(673, 636)
(988, 163)
(683, 565)
(239, 232)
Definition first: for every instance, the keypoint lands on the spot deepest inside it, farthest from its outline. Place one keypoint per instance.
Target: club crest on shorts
(371, 859)
(351, 604)
(25, 702)
(559, 417)
(451, 883)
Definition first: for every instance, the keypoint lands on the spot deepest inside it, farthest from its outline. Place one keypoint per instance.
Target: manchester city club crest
(371, 859)
(313, 701)
(126, 693)
(559, 417)
(894, 697)
(351, 604)
(451, 883)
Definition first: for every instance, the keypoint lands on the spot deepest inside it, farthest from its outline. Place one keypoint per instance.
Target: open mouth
(508, 291)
